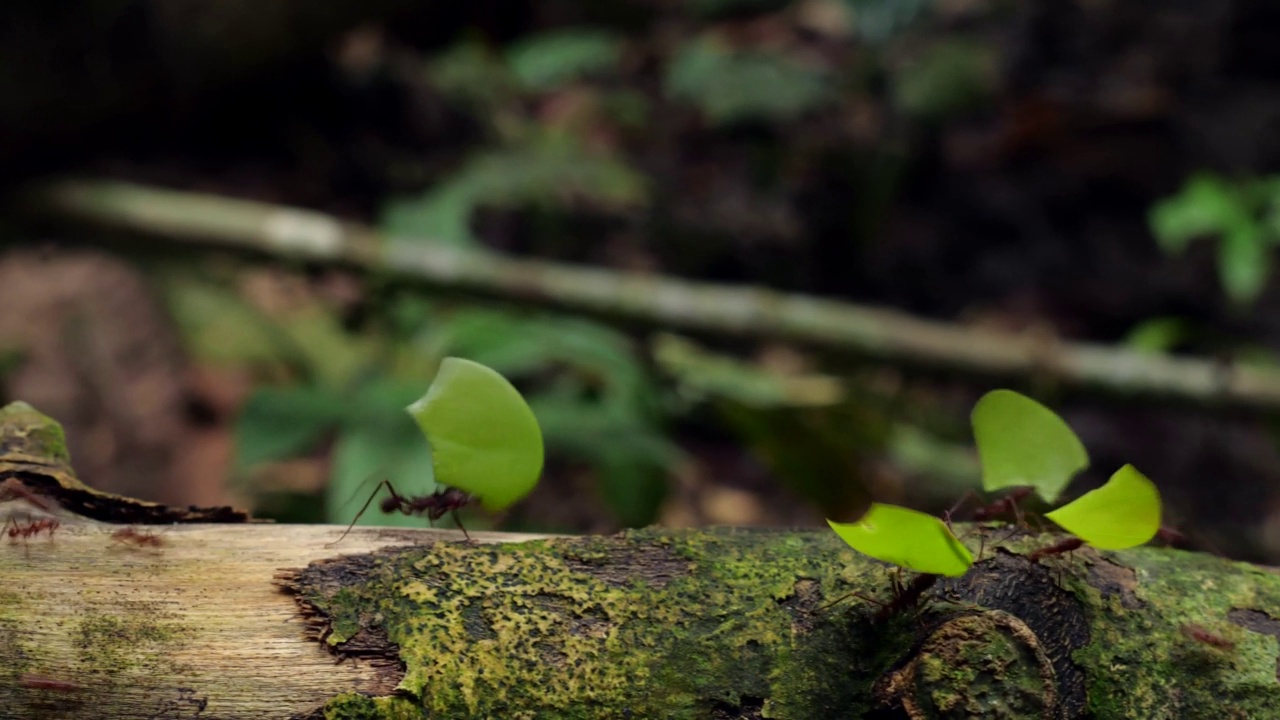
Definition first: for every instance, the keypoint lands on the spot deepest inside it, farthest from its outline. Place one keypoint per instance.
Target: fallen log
(233, 619)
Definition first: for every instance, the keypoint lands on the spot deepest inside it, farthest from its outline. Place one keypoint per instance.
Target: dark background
(989, 164)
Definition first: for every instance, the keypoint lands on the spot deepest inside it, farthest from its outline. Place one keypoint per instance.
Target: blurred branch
(753, 312)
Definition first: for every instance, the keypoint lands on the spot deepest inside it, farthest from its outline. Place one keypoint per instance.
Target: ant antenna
(367, 503)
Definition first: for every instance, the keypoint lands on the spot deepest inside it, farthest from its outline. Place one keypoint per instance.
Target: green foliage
(484, 439)
(553, 170)
(700, 375)
(1244, 215)
(548, 61)
(1157, 335)
(946, 79)
(908, 538)
(278, 423)
(731, 87)
(1023, 443)
(1124, 513)
(879, 20)
(810, 429)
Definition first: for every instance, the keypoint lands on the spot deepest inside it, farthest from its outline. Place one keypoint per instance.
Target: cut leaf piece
(1023, 443)
(1124, 513)
(484, 438)
(907, 538)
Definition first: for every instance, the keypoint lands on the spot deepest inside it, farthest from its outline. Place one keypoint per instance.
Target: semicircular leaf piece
(1124, 513)
(907, 538)
(484, 438)
(1023, 443)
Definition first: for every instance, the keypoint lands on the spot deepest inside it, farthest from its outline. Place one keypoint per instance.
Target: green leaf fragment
(1124, 513)
(484, 438)
(907, 538)
(1023, 443)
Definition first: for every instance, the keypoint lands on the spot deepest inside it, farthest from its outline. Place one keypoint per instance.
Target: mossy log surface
(252, 620)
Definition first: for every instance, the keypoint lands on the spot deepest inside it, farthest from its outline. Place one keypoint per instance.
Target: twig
(658, 301)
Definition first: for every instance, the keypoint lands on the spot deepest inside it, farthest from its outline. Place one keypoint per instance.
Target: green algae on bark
(734, 623)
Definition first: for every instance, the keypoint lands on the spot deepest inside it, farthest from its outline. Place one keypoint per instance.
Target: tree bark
(836, 327)
(249, 620)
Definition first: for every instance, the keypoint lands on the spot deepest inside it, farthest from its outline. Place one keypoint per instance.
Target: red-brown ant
(13, 488)
(33, 528)
(40, 682)
(140, 538)
(434, 506)
(1067, 545)
(904, 596)
(1200, 634)
(1006, 504)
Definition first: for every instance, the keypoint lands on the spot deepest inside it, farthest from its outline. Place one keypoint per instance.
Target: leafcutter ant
(904, 596)
(1003, 506)
(138, 538)
(14, 488)
(1066, 545)
(40, 682)
(434, 506)
(1200, 634)
(1006, 504)
(33, 528)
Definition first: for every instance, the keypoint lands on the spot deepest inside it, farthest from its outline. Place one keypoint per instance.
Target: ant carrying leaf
(485, 444)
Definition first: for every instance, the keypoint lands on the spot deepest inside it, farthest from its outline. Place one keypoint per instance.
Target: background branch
(838, 327)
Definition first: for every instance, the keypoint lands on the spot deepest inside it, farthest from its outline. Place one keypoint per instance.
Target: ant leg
(368, 502)
(458, 521)
(968, 495)
(848, 595)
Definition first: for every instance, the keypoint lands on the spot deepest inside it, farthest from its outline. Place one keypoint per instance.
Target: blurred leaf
(703, 374)
(218, 325)
(367, 453)
(1207, 205)
(1023, 443)
(729, 87)
(820, 453)
(948, 78)
(378, 441)
(278, 423)
(471, 73)
(1244, 262)
(906, 538)
(549, 60)
(484, 438)
(631, 458)
(921, 453)
(553, 171)
(334, 356)
(1124, 513)
(878, 20)
(441, 215)
(1157, 335)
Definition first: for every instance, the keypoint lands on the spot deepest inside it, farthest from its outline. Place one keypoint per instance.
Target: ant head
(453, 498)
(390, 504)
